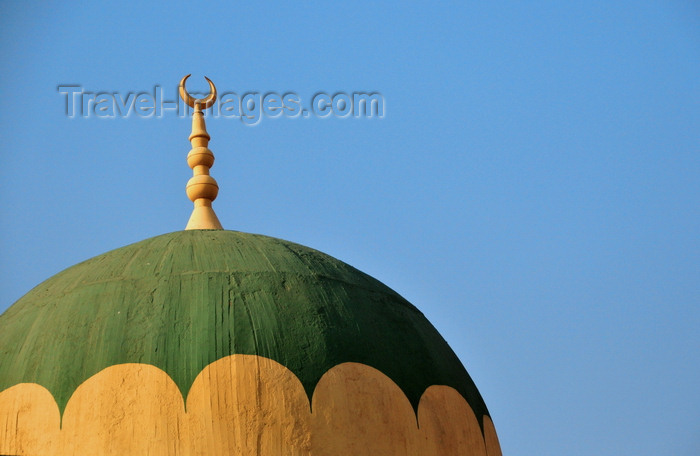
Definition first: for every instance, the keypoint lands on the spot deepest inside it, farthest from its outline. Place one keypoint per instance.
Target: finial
(201, 188)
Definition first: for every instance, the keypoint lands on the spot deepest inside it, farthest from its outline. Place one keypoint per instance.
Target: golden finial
(201, 188)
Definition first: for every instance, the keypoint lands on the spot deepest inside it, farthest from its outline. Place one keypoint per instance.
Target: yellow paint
(448, 425)
(248, 405)
(201, 189)
(29, 420)
(493, 448)
(125, 409)
(244, 405)
(357, 410)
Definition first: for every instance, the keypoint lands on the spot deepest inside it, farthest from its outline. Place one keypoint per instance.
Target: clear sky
(533, 186)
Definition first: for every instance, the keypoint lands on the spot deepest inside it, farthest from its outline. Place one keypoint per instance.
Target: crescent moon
(204, 103)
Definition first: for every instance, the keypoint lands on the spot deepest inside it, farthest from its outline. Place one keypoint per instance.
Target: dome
(183, 301)
(208, 342)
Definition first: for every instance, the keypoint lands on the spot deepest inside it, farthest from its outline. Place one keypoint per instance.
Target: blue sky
(533, 187)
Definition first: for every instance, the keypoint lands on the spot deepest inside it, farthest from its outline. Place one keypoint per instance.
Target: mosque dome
(207, 342)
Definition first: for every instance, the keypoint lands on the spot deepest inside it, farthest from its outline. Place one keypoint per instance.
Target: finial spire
(201, 188)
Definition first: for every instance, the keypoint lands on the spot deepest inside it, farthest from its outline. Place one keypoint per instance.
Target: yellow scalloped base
(241, 405)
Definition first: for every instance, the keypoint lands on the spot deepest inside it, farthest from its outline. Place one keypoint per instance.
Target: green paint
(183, 300)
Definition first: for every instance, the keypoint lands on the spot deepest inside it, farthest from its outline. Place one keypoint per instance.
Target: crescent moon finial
(201, 188)
(205, 102)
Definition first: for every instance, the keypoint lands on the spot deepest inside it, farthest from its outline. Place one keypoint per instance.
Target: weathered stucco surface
(277, 348)
(242, 405)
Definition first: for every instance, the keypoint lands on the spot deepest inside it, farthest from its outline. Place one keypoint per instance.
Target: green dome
(183, 300)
